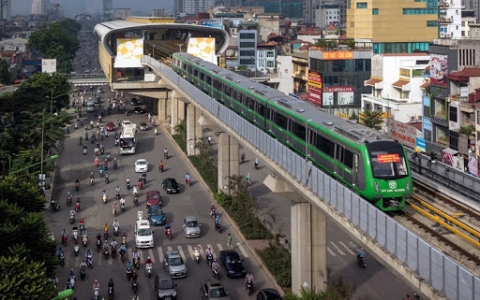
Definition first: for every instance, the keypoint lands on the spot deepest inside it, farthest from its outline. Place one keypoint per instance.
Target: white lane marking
(338, 249)
(150, 253)
(190, 251)
(180, 250)
(160, 254)
(346, 248)
(331, 252)
(240, 247)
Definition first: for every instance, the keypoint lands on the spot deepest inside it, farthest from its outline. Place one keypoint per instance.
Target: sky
(73, 7)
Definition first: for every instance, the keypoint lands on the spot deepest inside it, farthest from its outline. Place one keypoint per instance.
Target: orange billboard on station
(337, 55)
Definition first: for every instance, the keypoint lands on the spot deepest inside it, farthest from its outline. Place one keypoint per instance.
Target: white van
(143, 234)
(90, 106)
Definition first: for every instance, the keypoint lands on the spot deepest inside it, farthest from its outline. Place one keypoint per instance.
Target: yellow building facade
(393, 26)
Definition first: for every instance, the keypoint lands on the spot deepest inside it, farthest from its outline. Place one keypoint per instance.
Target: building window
(478, 118)
(375, 11)
(247, 44)
(453, 114)
(362, 5)
(261, 54)
(420, 11)
(442, 136)
(270, 54)
(245, 36)
(270, 64)
(247, 53)
(427, 135)
(432, 23)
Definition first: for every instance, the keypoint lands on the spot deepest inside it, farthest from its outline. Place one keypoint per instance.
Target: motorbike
(75, 234)
(135, 200)
(213, 213)
(96, 294)
(76, 249)
(64, 240)
(148, 270)
(83, 272)
(256, 165)
(218, 227)
(196, 254)
(117, 195)
(84, 150)
(106, 253)
(72, 217)
(77, 186)
(115, 166)
(209, 259)
(107, 180)
(84, 239)
(187, 181)
(116, 230)
(71, 279)
(249, 286)
(114, 251)
(69, 200)
(165, 155)
(110, 292)
(92, 181)
(122, 256)
(90, 261)
(128, 184)
(361, 262)
(216, 272)
(99, 244)
(105, 233)
(101, 171)
(122, 206)
(136, 262)
(135, 286)
(77, 206)
(104, 198)
(144, 178)
(168, 232)
(129, 270)
(61, 256)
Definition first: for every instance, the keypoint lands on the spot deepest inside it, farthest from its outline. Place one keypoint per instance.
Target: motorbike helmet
(214, 260)
(96, 281)
(71, 270)
(148, 257)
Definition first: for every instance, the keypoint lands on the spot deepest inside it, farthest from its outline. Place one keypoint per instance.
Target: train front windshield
(387, 160)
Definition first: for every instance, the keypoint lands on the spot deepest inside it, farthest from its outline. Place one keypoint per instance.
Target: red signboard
(336, 89)
(404, 133)
(388, 158)
(315, 95)
(315, 79)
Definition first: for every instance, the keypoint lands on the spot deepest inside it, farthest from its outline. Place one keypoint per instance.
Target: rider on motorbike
(110, 283)
(115, 224)
(165, 152)
(134, 190)
(88, 253)
(113, 244)
(217, 219)
(360, 254)
(135, 254)
(114, 207)
(248, 278)
(212, 210)
(105, 227)
(167, 227)
(117, 190)
(92, 176)
(215, 264)
(134, 276)
(122, 202)
(148, 261)
(64, 232)
(96, 284)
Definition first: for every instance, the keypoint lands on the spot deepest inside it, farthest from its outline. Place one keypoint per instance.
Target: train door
(338, 165)
(355, 169)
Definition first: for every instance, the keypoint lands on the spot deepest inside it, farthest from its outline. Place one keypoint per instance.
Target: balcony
(467, 107)
(442, 4)
(445, 20)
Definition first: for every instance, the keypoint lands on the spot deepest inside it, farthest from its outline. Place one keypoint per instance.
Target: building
(468, 18)
(266, 57)
(473, 5)
(326, 15)
(292, 9)
(394, 26)
(228, 3)
(396, 86)
(450, 19)
(270, 23)
(247, 45)
(193, 6)
(5, 9)
(336, 78)
(282, 80)
(39, 7)
(122, 13)
(299, 63)
(157, 12)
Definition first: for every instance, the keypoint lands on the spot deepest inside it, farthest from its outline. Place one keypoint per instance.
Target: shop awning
(402, 84)
(376, 83)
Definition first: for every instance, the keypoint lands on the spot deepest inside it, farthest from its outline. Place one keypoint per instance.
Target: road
(374, 282)
(194, 200)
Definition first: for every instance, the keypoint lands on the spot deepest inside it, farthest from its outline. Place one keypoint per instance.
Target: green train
(361, 158)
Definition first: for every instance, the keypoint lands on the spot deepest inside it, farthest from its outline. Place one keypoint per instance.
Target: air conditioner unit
(413, 118)
(442, 34)
(419, 118)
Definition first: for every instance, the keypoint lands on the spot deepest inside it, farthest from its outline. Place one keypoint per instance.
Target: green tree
(5, 74)
(22, 279)
(372, 119)
(56, 40)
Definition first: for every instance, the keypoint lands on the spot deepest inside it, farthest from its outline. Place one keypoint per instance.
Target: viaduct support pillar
(177, 112)
(163, 109)
(227, 160)
(309, 238)
(194, 130)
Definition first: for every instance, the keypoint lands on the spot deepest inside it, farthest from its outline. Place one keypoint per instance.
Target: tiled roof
(464, 74)
(400, 83)
(425, 85)
(372, 81)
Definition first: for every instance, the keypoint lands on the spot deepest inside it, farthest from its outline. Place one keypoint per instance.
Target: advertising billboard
(405, 133)
(212, 23)
(49, 65)
(439, 70)
(315, 87)
(129, 53)
(337, 55)
(203, 48)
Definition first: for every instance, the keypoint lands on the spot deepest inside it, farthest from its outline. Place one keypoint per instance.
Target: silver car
(174, 264)
(165, 287)
(191, 228)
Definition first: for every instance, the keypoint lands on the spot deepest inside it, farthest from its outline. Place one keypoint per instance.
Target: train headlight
(376, 187)
(407, 186)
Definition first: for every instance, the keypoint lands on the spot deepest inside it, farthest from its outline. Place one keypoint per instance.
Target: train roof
(355, 132)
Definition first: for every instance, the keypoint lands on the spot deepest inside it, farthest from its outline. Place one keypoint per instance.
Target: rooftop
(464, 74)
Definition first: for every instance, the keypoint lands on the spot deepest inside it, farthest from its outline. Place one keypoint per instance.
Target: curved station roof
(106, 31)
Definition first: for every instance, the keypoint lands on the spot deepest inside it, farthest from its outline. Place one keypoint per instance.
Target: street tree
(5, 74)
(372, 118)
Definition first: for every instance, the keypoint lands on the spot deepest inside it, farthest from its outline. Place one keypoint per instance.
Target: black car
(138, 110)
(165, 287)
(268, 294)
(232, 263)
(134, 101)
(170, 185)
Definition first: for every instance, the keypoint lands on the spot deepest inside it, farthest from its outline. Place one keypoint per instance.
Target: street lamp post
(42, 176)
(180, 46)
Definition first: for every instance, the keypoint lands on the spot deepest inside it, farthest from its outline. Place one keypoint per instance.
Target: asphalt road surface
(194, 200)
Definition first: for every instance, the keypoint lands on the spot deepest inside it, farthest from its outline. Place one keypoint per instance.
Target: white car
(143, 234)
(126, 123)
(141, 166)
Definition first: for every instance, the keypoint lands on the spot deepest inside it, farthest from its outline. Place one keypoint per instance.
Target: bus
(128, 142)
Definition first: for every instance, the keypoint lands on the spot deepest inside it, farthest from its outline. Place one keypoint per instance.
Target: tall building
(292, 9)
(472, 5)
(191, 7)
(228, 3)
(157, 12)
(39, 7)
(450, 19)
(394, 26)
(5, 9)
(247, 44)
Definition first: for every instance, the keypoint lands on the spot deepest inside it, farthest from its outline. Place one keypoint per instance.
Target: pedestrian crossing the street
(156, 254)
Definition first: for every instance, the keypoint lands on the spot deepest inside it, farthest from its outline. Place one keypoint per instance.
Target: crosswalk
(340, 248)
(156, 254)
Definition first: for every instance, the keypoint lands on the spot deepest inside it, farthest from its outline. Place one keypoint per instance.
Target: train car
(364, 159)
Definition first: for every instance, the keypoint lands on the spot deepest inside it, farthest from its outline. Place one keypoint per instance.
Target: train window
(195, 72)
(325, 145)
(280, 120)
(243, 99)
(268, 114)
(238, 97)
(348, 159)
(189, 69)
(228, 90)
(202, 76)
(208, 80)
(313, 137)
(217, 85)
(298, 130)
(260, 109)
(184, 66)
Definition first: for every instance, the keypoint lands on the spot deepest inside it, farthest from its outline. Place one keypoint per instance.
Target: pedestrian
(229, 241)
